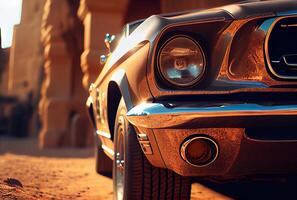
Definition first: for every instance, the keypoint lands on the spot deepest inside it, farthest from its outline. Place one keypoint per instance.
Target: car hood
(151, 28)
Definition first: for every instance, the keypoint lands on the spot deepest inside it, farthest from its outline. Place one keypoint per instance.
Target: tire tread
(146, 181)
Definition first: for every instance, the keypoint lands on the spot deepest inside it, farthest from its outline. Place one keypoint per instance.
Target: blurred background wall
(25, 72)
(54, 58)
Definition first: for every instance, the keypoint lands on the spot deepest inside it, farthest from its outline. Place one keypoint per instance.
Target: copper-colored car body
(242, 104)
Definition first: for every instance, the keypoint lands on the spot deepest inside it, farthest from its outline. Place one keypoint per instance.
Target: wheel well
(91, 115)
(114, 96)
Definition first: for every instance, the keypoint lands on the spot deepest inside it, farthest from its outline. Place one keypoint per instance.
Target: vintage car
(208, 93)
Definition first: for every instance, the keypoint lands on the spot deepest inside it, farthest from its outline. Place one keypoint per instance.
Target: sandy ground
(29, 173)
(49, 174)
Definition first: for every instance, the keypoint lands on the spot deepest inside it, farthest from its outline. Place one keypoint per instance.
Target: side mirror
(108, 43)
(108, 40)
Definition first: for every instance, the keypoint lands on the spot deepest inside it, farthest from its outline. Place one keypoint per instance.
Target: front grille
(281, 48)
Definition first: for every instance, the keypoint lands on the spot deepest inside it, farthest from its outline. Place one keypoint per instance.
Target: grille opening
(282, 48)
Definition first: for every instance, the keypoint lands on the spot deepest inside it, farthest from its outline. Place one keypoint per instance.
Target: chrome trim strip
(107, 150)
(284, 58)
(288, 63)
(156, 115)
(104, 134)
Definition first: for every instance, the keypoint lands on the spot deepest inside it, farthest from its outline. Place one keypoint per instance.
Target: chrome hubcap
(120, 162)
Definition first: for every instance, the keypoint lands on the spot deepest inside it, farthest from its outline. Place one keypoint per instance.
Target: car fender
(120, 78)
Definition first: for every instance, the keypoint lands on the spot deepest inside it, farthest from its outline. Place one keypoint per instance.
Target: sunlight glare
(10, 15)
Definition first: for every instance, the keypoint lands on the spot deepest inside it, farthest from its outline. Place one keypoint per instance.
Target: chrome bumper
(157, 115)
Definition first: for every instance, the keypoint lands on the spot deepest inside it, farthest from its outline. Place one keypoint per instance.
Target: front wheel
(133, 176)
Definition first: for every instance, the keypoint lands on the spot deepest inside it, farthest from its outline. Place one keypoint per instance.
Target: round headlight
(181, 61)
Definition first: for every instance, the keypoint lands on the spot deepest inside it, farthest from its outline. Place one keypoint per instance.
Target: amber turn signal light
(199, 151)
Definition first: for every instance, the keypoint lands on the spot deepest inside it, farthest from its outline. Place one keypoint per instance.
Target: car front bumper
(240, 153)
(158, 115)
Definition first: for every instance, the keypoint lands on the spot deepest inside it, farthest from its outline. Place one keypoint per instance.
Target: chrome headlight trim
(188, 141)
(172, 83)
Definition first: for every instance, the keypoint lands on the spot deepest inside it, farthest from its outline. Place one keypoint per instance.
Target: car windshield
(126, 31)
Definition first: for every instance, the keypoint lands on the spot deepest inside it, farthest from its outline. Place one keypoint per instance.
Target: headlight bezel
(173, 84)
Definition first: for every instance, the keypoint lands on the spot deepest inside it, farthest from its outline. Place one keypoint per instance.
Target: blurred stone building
(4, 55)
(55, 56)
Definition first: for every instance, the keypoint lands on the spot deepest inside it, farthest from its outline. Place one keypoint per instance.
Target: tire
(103, 162)
(133, 176)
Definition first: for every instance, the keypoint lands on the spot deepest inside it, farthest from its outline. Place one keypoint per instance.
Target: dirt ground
(49, 174)
(29, 173)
